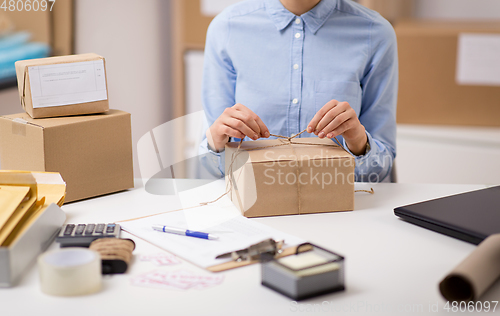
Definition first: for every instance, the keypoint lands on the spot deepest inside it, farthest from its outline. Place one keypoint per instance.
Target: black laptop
(470, 216)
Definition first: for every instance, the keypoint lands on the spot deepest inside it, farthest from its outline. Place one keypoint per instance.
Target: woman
(328, 66)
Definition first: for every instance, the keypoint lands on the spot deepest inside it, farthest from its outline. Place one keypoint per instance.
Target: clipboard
(235, 264)
(203, 253)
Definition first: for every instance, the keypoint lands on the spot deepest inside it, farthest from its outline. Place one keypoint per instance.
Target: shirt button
(296, 66)
(295, 101)
(297, 21)
(297, 35)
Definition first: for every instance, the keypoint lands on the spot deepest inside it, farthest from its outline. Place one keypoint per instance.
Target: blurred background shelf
(8, 83)
(154, 57)
(34, 34)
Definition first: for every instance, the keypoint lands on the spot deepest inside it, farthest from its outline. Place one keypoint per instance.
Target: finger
(248, 117)
(342, 128)
(231, 132)
(239, 107)
(339, 119)
(263, 131)
(242, 127)
(237, 119)
(330, 116)
(311, 127)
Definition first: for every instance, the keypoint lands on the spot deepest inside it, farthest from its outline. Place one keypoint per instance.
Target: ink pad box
(310, 272)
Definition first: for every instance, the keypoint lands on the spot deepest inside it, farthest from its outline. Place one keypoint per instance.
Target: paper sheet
(177, 280)
(48, 178)
(221, 218)
(64, 84)
(477, 59)
(161, 259)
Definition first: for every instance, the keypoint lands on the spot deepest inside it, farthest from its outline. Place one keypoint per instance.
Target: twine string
(285, 140)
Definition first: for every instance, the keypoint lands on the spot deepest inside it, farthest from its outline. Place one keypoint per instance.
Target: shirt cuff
(366, 155)
(212, 151)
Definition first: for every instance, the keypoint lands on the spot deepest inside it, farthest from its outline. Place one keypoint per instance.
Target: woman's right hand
(237, 121)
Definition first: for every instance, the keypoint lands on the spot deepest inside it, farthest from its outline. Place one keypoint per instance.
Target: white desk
(391, 265)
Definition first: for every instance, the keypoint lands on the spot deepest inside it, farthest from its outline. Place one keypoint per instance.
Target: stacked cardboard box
(92, 150)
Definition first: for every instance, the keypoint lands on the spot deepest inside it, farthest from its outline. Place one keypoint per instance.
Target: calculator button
(69, 229)
(110, 229)
(100, 228)
(79, 229)
(90, 229)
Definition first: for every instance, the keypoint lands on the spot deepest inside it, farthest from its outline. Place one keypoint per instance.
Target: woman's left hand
(339, 118)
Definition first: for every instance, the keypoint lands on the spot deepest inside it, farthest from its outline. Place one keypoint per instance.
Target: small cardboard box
(428, 65)
(63, 86)
(270, 177)
(93, 153)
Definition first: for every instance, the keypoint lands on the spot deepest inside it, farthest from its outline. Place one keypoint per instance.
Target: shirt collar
(313, 18)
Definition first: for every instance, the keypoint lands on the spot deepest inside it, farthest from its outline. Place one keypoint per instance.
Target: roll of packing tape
(70, 271)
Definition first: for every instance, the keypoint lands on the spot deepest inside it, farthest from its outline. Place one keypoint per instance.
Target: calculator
(81, 235)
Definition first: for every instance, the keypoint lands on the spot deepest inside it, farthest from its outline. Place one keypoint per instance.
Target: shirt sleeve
(378, 107)
(218, 87)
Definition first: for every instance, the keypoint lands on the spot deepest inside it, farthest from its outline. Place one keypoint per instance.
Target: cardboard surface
(93, 153)
(290, 179)
(428, 92)
(392, 10)
(195, 24)
(24, 87)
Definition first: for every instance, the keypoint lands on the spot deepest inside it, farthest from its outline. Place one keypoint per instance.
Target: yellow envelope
(18, 217)
(44, 188)
(10, 198)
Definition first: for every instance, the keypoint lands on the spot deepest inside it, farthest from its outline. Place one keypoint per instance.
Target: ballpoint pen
(184, 232)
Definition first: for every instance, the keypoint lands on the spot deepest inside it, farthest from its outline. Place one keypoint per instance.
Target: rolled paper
(473, 276)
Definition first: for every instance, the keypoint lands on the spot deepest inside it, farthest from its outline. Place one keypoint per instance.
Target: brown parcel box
(290, 179)
(93, 153)
(428, 92)
(24, 87)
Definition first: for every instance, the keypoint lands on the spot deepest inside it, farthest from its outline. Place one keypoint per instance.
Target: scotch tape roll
(473, 276)
(70, 272)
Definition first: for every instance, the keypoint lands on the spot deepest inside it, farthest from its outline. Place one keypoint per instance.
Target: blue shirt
(286, 67)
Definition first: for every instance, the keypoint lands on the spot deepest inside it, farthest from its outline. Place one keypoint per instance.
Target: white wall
(133, 37)
(457, 9)
(448, 154)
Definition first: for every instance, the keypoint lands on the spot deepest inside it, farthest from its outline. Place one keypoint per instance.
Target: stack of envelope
(24, 196)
